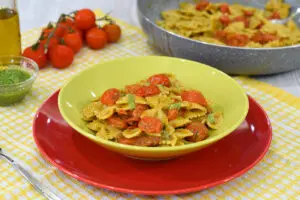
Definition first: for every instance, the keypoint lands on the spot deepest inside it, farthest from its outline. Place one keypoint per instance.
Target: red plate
(84, 160)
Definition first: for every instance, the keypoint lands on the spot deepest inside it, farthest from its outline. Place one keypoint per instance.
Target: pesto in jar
(11, 88)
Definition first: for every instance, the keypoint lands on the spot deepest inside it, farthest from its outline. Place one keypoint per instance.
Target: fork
(35, 183)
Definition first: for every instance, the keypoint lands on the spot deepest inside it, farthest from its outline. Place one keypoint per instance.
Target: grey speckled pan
(231, 60)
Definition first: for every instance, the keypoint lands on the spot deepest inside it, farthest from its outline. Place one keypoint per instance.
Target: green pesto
(9, 77)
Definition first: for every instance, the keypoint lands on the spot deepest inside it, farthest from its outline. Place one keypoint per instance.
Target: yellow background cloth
(277, 176)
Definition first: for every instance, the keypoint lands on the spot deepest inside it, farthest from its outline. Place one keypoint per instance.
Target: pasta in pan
(158, 111)
(232, 25)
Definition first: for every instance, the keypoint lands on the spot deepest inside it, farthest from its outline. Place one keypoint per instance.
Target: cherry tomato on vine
(113, 32)
(36, 53)
(96, 38)
(85, 19)
(61, 56)
(73, 40)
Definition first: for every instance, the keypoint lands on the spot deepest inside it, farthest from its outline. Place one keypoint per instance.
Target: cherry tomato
(160, 79)
(85, 19)
(199, 130)
(113, 32)
(235, 39)
(147, 141)
(194, 96)
(151, 90)
(61, 56)
(46, 32)
(224, 19)
(36, 53)
(173, 114)
(275, 15)
(248, 13)
(221, 35)
(242, 19)
(150, 125)
(224, 8)
(63, 26)
(139, 109)
(73, 40)
(52, 43)
(128, 141)
(110, 96)
(202, 5)
(117, 122)
(136, 89)
(96, 38)
(263, 38)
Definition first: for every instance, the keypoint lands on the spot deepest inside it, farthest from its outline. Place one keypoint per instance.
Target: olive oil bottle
(10, 38)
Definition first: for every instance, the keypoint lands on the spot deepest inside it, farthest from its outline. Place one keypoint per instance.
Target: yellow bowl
(214, 84)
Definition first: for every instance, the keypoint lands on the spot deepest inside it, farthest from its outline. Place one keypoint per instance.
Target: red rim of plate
(153, 192)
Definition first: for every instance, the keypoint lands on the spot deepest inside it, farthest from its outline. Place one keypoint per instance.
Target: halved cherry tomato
(139, 109)
(147, 141)
(202, 5)
(263, 38)
(235, 39)
(136, 89)
(85, 19)
(275, 15)
(224, 8)
(150, 125)
(194, 96)
(199, 130)
(96, 38)
(224, 19)
(248, 13)
(173, 114)
(151, 90)
(128, 141)
(73, 40)
(37, 53)
(117, 122)
(61, 56)
(160, 79)
(110, 96)
(221, 35)
(242, 19)
(113, 32)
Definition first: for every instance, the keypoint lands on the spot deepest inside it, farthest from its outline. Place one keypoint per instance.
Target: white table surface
(35, 13)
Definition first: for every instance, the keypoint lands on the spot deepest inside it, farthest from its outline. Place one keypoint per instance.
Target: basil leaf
(211, 118)
(165, 135)
(175, 106)
(131, 101)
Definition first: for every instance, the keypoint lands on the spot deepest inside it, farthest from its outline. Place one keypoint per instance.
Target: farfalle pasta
(155, 112)
(233, 25)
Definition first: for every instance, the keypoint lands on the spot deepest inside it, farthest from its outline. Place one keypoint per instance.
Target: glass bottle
(10, 38)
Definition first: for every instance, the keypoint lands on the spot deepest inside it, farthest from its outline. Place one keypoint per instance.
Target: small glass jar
(10, 67)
